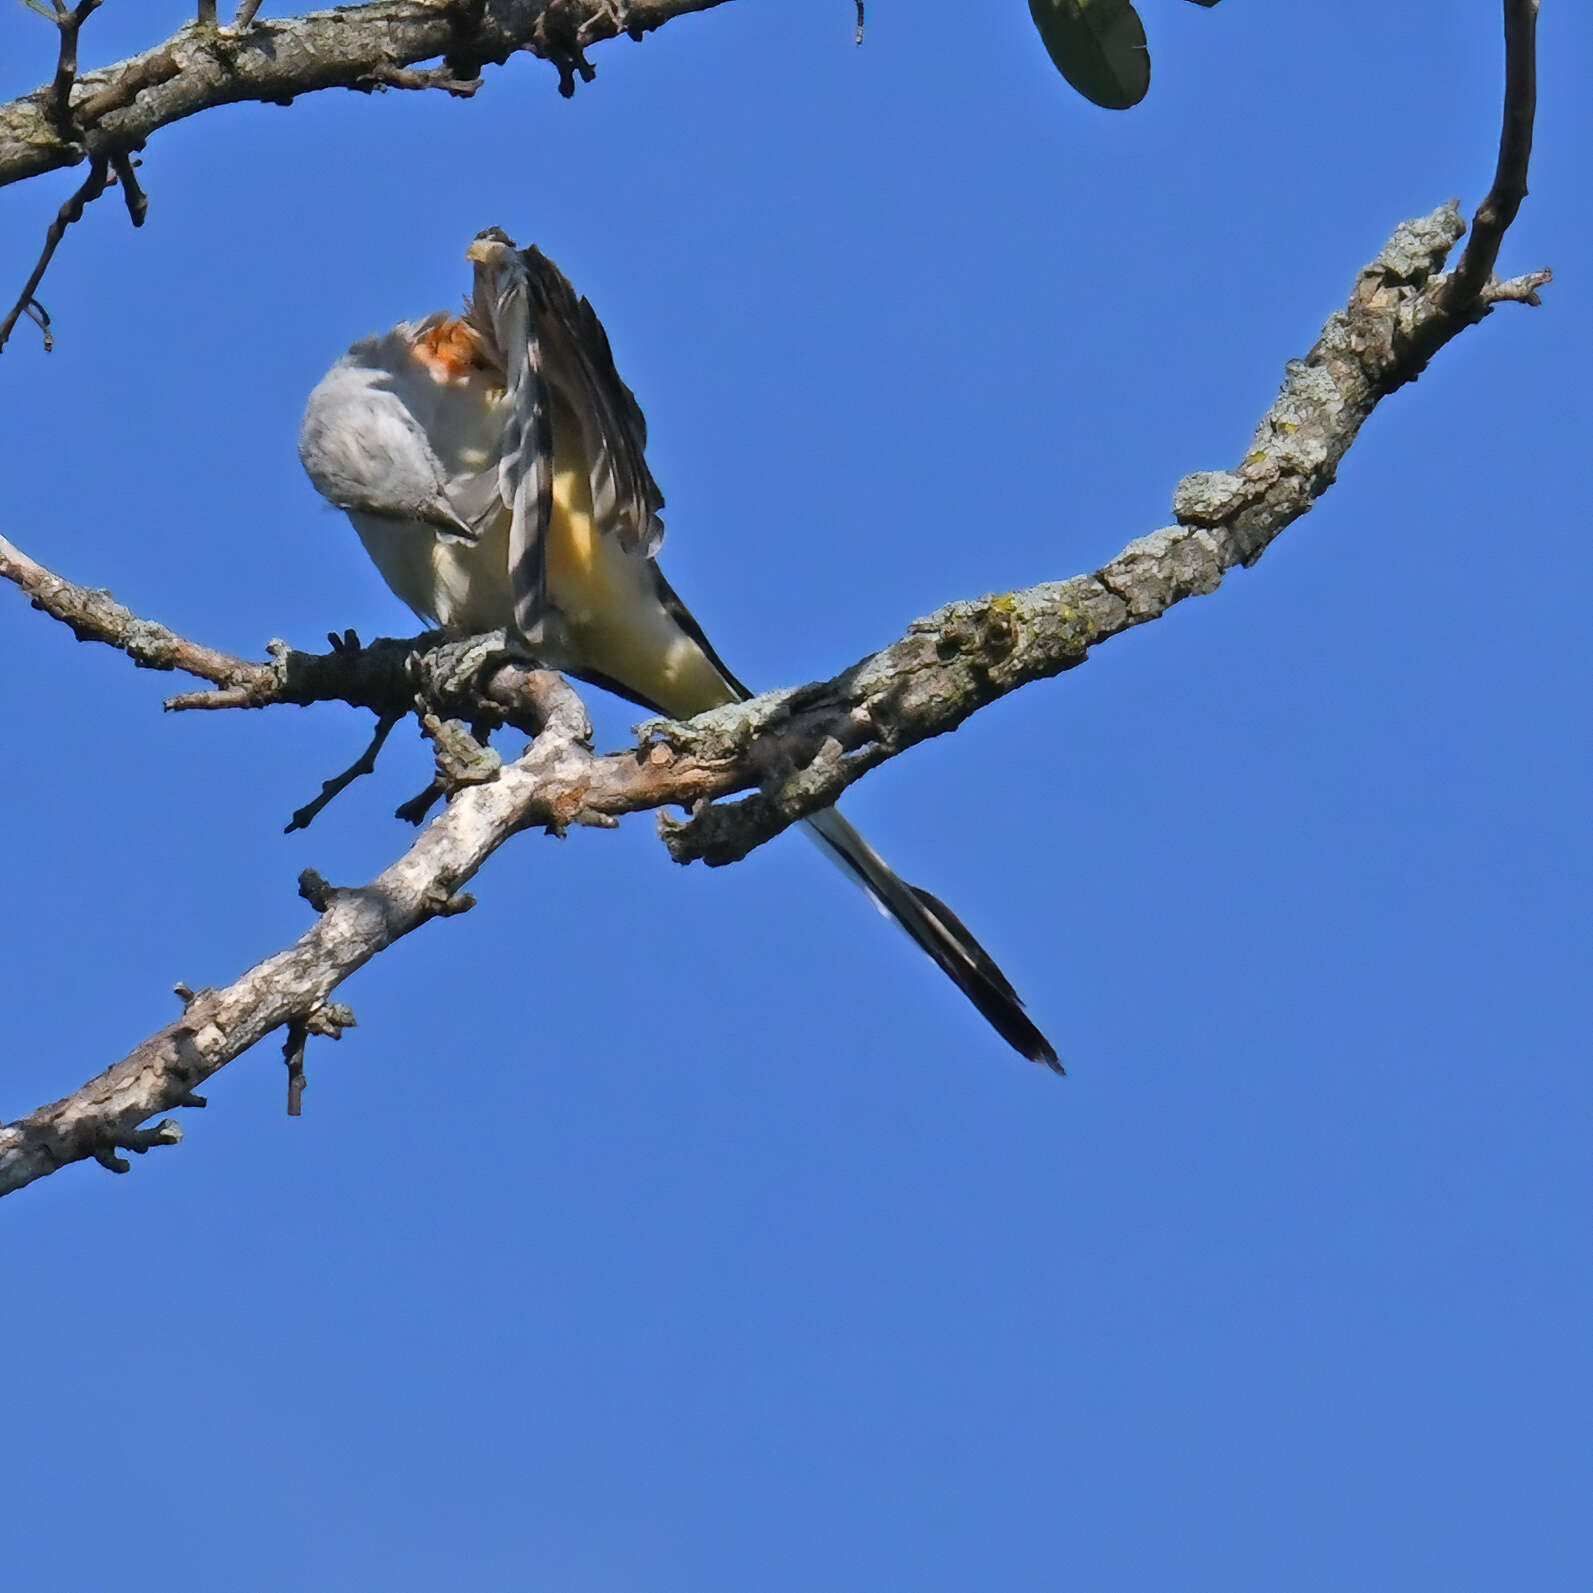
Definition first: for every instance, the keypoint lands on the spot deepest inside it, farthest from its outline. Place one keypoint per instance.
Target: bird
(494, 465)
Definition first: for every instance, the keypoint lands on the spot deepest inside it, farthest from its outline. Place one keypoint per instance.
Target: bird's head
(491, 249)
(499, 276)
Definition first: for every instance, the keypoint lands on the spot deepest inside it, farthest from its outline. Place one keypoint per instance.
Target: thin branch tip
(1468, 283)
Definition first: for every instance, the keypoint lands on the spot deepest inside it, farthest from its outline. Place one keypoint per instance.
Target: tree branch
(293, 986)
(1503, 199)
(202, 66)
(97, 617)
(90, 189)
(70, 23)
(801, 748)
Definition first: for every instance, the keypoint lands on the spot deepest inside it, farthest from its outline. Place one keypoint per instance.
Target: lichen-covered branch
(798, 748)
(274, 60)
(352, 926)
(968, 654)
(94, 616)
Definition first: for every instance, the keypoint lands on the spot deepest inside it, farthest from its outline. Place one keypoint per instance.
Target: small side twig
(40, 317)
(328, 1020)
(319, 892)
(168, 1131)
(69, 20)
(90, 189)
(1502, 201)
(461, 760)
(293, 1055)
(430, 77)
(414, 811)
(364, 764)
(136, 199)
(59, 112)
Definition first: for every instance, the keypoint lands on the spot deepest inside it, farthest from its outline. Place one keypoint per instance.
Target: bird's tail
(939, 931)
(698, 679)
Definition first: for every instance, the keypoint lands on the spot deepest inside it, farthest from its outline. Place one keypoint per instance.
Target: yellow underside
(613, 621)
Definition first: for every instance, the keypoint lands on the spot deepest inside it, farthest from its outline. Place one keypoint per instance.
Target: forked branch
(796, 750)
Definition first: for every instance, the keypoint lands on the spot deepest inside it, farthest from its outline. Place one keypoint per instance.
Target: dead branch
(800, 748)
(352, 927)
(1498, 208)
(202, 66)
(69, 21)
(91, 188)
(339, 783)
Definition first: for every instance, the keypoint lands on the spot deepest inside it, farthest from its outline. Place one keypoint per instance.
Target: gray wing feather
(625, 497)
(550, 341)
(525, 458)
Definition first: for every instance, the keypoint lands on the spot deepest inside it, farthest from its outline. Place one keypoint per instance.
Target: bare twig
(219, 1025)
(293, 1055)
(328, 1020)
(40, 317)
(90, 189)
(135, 198)
(69, 21)
(857, 37)
(1498, 209)
(138, 1140)
(364, 764)
(433, 77)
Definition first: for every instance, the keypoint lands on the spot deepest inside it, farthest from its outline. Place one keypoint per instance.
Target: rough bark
(795, 750)
(275, 60)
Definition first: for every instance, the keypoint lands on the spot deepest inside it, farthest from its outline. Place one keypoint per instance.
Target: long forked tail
(941, 934)
(671, 668)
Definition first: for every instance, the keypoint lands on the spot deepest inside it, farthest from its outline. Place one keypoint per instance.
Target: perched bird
(493, 465)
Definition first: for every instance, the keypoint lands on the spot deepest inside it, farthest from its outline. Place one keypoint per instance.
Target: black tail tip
(1041, 1050)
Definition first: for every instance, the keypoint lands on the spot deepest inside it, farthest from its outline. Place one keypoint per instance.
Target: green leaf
(1098, 46)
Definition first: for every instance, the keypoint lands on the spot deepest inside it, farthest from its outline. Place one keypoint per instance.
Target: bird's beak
(488, 251)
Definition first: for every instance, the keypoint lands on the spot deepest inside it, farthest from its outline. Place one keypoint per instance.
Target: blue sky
(663, 1230)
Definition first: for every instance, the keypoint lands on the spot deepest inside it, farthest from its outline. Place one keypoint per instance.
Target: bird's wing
(580, 367)
(523, 470)
(558, 370)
